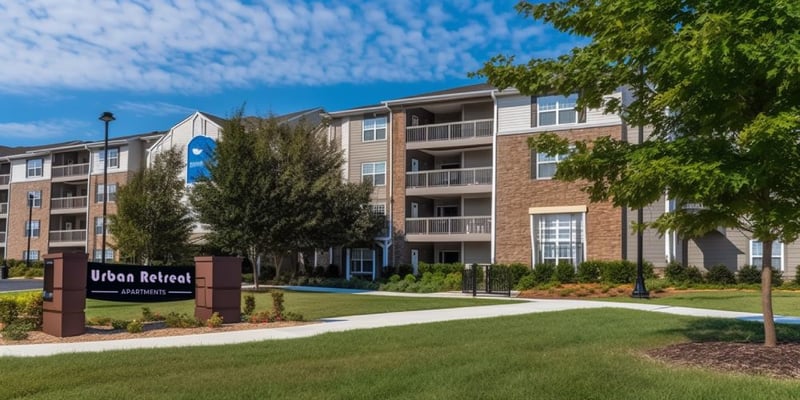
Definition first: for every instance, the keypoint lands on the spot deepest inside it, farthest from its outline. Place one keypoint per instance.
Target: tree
(719, 83)
(152, 223)
(277, 189)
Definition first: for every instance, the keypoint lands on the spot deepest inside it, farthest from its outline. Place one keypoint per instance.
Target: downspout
(493, 237)
(390, 199)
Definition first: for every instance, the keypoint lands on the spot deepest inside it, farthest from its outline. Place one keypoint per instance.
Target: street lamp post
(30, 230)
(639, 289)
(106, 117)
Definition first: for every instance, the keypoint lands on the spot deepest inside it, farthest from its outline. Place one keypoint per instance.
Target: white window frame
(565, 231)
(113, 157)
(37, 198)
(98, 254)
(374, 129)
(378, 209)
(33, 228)
(358, 259)
(556, 104)
(548, 159)
(100, 191)
(32, 170)
(99, 225)
(34, 253)
(369, 171)
(776, 247)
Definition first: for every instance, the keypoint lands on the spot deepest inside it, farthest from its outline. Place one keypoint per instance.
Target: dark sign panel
(139, 283)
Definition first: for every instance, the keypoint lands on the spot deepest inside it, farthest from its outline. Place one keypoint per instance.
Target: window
(378, 209)
(112, 193)
(113, 157)
(558, 238)
(32, 228)
(374, 129)
(98, 225)
(34, 167)
(34, 255)
(546, 164)
(757, 252)
(361, 261)
(98, 255)
(35, 198)
(374, 172)
(557, 110)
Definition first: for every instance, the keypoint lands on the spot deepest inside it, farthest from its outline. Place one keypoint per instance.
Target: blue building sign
(200, 151)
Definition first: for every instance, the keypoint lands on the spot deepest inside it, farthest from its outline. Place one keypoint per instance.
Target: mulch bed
(782, 361)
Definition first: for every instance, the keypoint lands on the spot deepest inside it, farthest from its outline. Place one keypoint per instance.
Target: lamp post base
(639, 291)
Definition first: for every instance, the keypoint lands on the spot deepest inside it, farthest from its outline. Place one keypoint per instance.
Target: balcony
(67, 205)
(4, 179)
(449, 229)
(464, 133)
(3, 209)
(70, 238)
(449, 181)
(70, 171)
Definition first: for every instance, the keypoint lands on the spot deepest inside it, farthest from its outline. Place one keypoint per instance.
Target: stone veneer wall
(517, 192)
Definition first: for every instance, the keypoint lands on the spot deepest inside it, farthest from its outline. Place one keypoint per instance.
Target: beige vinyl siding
(473, 111)
(19, 169)
(477, 207)
(366, 152)
(477, 252)
(513, 113)
(730, 249)
(477, 159)
(595, 116)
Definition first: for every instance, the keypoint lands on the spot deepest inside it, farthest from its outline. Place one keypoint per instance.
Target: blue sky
(153, 62)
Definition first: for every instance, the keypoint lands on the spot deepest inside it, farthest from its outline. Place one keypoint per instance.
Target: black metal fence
(486, 279)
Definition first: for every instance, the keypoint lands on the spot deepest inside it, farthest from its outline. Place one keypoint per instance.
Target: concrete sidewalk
(341, 324)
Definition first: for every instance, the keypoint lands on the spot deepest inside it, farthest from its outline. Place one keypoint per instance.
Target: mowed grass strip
(582, 354)
(311, 305)
(783, 302)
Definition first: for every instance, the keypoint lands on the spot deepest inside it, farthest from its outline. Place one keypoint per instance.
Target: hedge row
(718, 274)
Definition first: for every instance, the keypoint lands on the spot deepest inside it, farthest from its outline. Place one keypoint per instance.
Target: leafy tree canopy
(152, 223)
(719, 84)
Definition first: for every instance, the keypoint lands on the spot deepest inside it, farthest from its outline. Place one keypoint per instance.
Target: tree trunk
(277, 258)
(253, 255)
(770, 338)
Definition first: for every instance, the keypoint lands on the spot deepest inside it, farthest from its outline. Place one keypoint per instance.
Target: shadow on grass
(730, 330)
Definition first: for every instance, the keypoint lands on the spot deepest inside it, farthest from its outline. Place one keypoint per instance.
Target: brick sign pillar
(64, 294)
(218, 287)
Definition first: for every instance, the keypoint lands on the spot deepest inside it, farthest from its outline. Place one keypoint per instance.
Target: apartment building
(52, 196)
(459, 183)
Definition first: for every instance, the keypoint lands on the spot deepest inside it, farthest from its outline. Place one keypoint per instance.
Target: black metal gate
(487, 279)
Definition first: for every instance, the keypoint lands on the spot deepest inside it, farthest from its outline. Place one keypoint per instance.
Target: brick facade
(400, 252)
(18, 213)
(517, 192)
(95, 242)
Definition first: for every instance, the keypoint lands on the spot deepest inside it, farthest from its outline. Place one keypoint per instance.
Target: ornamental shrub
(526, 282)
(618, 272)
(134, 327)
(8, 310)
(748, 274)
(543, 273)
(119, 324)
(277, 305)
(249, 305)
(720, 274)
(444, 268)
(589, 271)
(17, 330)
(215, 321)
(565, 272)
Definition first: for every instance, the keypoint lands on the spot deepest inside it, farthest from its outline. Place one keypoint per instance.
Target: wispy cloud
(199, 46)
(38, 130)
(156, 108)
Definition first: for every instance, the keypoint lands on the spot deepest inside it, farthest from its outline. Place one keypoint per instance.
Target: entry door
(415, 259)
(414, 165)
(449, 256)
(414, 209)
(68, 226)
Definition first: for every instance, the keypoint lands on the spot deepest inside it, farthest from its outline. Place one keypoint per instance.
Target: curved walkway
(340, 324)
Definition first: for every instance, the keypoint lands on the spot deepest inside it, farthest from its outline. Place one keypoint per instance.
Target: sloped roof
(457, 90)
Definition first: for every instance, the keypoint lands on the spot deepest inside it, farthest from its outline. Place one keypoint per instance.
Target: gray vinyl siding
(475, 111)
(477, 159)
(653, 244)
(366, 152)
(477, 207)
(477, 252)
(733, 250)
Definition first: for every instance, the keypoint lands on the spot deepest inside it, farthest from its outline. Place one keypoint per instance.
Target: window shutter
(534, 112)
(582, 115)
(533, 164)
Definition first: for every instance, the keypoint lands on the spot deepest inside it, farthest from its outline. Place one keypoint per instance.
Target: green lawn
(311, 305)
(783, 302)
(582, 354)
